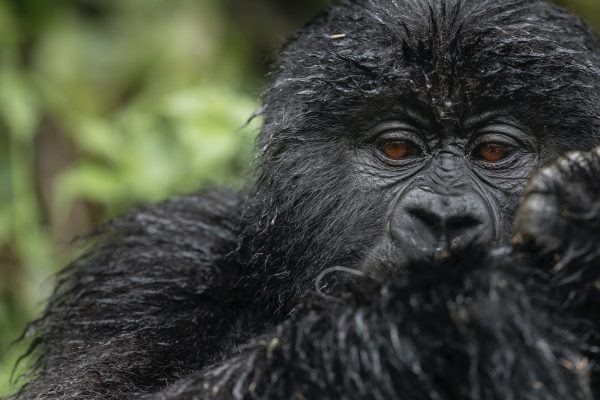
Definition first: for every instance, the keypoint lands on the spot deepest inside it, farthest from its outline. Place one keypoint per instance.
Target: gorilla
(424, 223)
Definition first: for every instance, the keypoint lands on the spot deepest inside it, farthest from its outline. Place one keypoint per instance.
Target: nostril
(447, 223)
(428, 217)
(423, 223)
(462, 222)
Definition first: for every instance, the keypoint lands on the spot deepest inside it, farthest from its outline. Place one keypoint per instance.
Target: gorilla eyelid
(493, 151)
(397, 141)
(400, 128)
(496, 136)
(503, 129)
(399, 149)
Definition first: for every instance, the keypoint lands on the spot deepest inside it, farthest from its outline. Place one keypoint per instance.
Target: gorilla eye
(397, 150)
(493, 152)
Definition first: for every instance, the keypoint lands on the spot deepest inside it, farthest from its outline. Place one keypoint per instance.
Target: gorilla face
(451, 184)
(401, 131)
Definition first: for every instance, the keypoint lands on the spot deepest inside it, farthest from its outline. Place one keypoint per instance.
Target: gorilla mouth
(387, 262)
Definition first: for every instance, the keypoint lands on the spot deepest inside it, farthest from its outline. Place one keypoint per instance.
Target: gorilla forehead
(448, 56)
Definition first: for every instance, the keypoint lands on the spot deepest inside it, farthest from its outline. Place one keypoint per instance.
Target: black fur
(263, 294)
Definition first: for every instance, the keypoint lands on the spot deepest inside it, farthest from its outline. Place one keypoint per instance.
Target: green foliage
(589, 10)
(149, 151)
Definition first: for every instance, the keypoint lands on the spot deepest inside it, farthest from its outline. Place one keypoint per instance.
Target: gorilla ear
(560, 211)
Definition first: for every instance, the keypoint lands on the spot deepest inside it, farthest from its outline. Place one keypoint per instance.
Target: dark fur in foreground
(224, 295)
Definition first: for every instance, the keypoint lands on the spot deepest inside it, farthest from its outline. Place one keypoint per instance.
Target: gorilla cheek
(424, 223)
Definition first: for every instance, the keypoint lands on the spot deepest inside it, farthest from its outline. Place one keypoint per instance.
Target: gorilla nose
(424, 223)
(444, 221)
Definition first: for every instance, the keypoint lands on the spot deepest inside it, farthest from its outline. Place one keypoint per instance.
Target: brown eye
(400, 149)
(493, 152)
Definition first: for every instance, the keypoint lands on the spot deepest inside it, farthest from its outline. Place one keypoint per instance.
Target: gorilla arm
(413, 343)
(152, 299)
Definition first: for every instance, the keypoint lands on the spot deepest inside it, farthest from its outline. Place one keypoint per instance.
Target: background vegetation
(109, 104)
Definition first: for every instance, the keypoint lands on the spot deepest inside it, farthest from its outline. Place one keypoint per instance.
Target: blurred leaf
(18, 107)
(156, 148)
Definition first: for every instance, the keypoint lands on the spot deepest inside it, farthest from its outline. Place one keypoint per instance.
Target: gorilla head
(398, 131)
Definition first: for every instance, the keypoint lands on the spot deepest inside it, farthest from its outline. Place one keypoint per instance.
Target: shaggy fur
(262, 294)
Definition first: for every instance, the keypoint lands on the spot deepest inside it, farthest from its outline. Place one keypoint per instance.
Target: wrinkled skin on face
(458, 190)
